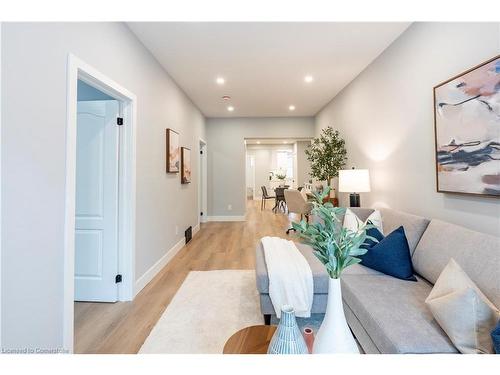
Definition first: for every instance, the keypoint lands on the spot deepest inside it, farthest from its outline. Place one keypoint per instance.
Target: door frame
(79, 70)
(202, 183)
(248, 159)
(254, 188)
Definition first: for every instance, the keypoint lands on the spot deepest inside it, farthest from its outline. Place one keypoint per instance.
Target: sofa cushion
(376, 234)
(359, 332)
(391, 256)
(353, 223)
(361, 212)
(394, 314)
(463, 311)
(393, 219)
(477, 253)
(414, 225)
(320, 277)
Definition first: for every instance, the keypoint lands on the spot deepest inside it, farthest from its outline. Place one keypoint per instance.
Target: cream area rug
(207, 309)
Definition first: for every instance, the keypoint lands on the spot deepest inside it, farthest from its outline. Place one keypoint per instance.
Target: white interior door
(96, 232)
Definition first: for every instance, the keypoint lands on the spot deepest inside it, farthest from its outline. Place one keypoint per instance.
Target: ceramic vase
(287, 339)
(308, 334)
(334, 335)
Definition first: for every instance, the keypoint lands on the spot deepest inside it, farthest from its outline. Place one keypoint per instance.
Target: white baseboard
(196, 229)
(162, 262)
(226, 218)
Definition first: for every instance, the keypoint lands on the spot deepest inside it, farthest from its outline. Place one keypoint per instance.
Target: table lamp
(354, 181)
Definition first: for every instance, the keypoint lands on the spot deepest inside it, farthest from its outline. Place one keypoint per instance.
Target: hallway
(122, 327)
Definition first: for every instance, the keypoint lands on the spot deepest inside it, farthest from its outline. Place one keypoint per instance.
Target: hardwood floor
(122, 327)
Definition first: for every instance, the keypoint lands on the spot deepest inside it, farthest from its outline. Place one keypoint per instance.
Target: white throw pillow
(463, 311)
(353, 223)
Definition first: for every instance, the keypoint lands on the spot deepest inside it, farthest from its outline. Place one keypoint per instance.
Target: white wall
(386, 117)
(226, 155)
(262, 166)
(303, 165)
(33, 163)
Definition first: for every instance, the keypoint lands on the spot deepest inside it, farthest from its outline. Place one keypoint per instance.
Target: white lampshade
(354, 181)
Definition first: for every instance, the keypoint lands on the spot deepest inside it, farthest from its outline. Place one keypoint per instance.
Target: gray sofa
(388, 315)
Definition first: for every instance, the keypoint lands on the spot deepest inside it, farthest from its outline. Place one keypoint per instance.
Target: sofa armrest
(261, 275)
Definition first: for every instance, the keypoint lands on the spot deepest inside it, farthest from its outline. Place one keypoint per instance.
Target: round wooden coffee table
(250, 340)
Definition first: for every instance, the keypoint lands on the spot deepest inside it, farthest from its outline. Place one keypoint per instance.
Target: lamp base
(354, 200)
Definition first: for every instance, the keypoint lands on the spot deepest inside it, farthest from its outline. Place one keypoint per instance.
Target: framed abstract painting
(467, 131)
(173, 151)
(185, 165)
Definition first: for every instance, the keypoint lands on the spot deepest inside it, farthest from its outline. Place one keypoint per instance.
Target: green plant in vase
(280, 175)
(327, 155)
(337, 248)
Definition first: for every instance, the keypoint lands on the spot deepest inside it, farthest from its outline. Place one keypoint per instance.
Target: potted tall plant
(337, 248)
(327, 155)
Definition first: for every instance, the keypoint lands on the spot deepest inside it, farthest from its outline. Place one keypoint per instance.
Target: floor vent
(188, 234)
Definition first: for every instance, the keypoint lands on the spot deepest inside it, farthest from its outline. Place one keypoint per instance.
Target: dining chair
(297, 203)
(265, 196)
(280, 199)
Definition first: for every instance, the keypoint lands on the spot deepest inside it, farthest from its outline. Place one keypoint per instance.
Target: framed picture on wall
(172, 151)
(185, 165)
(467, 131)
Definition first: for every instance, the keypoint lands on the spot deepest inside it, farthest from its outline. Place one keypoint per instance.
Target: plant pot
(287, 339)
(332, 188)
(334, 335)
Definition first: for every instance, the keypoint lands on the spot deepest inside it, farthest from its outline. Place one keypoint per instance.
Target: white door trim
(252, 157)
(77, 69)
(203, 183)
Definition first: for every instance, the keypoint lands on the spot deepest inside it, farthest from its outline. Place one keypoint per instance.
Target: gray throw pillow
(463, 311)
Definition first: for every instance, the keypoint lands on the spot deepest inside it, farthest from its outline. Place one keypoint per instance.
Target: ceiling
(264, 64)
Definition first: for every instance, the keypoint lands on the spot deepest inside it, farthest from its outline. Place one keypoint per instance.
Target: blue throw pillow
(375, 233)
(391, 255)
(495, 336)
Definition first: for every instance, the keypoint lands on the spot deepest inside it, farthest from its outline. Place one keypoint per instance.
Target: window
(284, 161)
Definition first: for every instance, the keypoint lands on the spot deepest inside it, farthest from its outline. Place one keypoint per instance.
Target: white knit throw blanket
(290, 276)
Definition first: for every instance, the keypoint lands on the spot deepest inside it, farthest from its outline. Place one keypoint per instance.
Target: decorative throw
(391, 255)
(353, 222)
(463, 311)
(290, 276)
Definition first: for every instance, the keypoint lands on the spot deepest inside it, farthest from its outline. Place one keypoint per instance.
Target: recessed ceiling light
(226, 97)
(258, 142)
(291, 108)
(230, 108)
(220, 80)
(308, 79)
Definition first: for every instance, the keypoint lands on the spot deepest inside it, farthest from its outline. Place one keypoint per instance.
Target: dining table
(280, 202)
